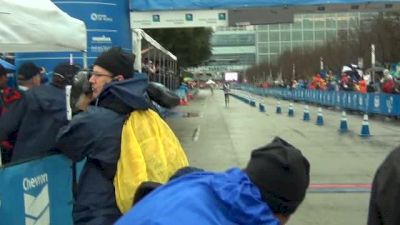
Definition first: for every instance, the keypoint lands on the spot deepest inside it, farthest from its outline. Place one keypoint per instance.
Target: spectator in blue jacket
(95, 134)
(28, 76)
(38, 115)
(266, 192)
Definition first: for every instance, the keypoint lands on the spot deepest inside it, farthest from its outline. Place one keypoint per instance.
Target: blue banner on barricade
(377, 103)
(37, 192)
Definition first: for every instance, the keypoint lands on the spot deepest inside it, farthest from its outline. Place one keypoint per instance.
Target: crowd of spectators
(351, 79)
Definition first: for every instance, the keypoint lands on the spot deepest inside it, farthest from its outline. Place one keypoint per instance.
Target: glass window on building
(262, 27)
(285, 26)
(214, 40)
(308, 45)
(236, 59)
(247, 59)
(233, 40)
(318, 43)
(263, 58)
(297, 25)
(342, 24)
(274, 27)
(308, 22)
(320, 35)
(263, 48)
(286, 46)
(274, 48)
(308, 35)
(368, 15)
(262, 37)
(274, 36)
(354, 23)
(285, 36)
(274, 59)
(342, 35)
(297, 36)
(330, 34)
(319, 22)
(331, 22)
(297, 45)
(246, 39)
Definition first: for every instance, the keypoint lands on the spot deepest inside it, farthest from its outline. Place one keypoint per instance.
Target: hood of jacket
(47, 98)
(127, 95)
(235, 189)
(212, 198)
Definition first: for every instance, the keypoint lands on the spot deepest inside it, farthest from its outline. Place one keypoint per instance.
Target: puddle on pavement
(184, 114)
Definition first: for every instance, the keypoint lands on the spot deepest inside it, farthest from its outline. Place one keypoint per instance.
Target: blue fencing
(37, 192)
(372, 103)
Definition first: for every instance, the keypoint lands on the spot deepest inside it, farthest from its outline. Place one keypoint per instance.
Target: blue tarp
(8, 66)
(155, 5)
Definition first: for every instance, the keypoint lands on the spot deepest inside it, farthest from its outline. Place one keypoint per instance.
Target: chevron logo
(37, 207)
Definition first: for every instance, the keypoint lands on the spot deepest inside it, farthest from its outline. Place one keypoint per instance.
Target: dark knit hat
(66, 72)
(28, 70)
(3, 71)
(117, 62)
(281, 173)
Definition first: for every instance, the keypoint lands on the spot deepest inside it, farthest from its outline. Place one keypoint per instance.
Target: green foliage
(190, 45)
(187, 74)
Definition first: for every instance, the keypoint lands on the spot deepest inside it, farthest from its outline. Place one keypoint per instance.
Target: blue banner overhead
(107, 23)
(155, 5)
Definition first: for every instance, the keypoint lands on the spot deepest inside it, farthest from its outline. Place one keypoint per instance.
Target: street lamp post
(294, 72)
(321, 61)
(373, 62)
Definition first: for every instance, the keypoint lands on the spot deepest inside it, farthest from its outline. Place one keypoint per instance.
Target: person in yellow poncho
(97, 135)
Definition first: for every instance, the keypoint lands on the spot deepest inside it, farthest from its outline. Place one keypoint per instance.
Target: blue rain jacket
(36, 117)
(96, 135)
(203, 198)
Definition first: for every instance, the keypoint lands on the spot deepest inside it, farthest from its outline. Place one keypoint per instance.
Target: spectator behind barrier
(38, 116)
(7, 97)
(28, 76)
(384, 202)
(267, 192)
(95, 134)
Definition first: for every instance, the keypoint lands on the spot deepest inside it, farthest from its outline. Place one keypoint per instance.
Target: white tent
(39, 26)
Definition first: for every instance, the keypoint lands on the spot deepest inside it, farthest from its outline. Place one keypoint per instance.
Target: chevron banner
(37, 192)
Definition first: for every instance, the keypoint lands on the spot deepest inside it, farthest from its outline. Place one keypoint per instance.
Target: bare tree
(383, 31)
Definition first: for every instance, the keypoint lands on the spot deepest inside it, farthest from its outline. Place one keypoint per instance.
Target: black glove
(80, 88)
(162, 95)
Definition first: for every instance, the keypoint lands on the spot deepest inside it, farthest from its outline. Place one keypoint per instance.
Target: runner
(227, 90)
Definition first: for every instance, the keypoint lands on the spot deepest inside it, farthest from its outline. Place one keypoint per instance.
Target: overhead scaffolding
(165, 61)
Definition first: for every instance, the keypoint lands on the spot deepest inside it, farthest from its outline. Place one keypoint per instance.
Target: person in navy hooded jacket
(266, 192)
(95, 134)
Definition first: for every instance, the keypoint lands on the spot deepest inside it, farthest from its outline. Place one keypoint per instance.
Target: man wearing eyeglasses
(95, 134)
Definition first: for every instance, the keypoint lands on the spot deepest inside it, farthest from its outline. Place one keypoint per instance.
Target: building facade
(307, 31)
(233, 50)
(237, 48)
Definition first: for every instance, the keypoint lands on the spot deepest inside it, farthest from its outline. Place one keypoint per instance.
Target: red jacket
(388, 86)
(8, 96)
